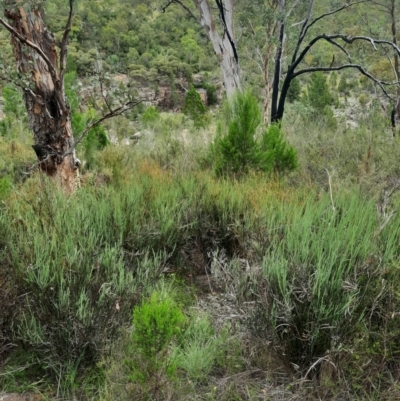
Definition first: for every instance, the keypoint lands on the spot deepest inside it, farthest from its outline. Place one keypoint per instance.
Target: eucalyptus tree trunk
(49, 118)
(224, 46)
(396, 110)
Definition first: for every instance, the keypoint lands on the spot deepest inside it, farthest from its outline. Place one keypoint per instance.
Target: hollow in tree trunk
(49, 118)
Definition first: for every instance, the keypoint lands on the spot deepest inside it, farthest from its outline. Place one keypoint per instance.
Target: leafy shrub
(363, 99)
(294, 91)
(312, 290)
(68, 264)
(212, 96)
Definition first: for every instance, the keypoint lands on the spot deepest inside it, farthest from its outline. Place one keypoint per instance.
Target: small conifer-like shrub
(319, 95)
(239, 152)
(278, 155)
(157, 322)
(194, 108)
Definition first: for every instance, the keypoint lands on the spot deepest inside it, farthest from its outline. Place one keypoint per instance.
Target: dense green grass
(309, 262)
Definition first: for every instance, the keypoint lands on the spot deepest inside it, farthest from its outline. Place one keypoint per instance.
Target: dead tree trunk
(36, 55)
(396, 110)
(300, 51)
(224, 46)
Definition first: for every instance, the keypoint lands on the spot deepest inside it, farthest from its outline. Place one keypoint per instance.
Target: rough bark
(36, 55)
(396, 116)
(225, 46)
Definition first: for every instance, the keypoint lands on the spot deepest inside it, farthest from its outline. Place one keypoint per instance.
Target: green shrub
(156, 324)
(70, 270)
(150, 116)
(212, 96)
(294, 91)
(200, 348)
(15, 119)
(238, 152)
(194, 108)
(278, 155)
(363, 99)
(318, 92)
(313, 287)
(5, 187)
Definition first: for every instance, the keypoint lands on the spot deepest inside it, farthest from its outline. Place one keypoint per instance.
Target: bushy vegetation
(318, 286)
(205, 256)
(238, 151)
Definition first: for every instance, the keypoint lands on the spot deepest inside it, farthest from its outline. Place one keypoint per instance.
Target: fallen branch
(113, 113)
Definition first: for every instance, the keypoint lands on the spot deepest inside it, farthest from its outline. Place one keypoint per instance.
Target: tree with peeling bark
(35, 51)
(223, 40)
(281, 82)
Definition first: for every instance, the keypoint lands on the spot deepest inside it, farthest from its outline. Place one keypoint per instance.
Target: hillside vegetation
(205, 255)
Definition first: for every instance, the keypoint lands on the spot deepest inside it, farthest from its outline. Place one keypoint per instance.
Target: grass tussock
(302, 272)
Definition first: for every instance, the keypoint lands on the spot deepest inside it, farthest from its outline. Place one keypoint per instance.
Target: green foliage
(279, 156)
(238, 151)
(156, 323)
(193, 52)
(294, 91)
(363, 99)
(200, 348)
(318, 92)
(344, 87)
(77, 289)
(212, 96)
(5, 187)
(150, 116)
(319, 261)
(15, 112)
(333, 79)
(96, 138)
(194, 108)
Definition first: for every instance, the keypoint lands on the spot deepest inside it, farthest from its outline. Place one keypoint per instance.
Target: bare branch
(342, 67)
(64, 49)
(113, 113)
(187, 9)
(52, 70)
(292, 9)
(303, 29)
(377, 3)
(347, 39)
(332, 12)
(340, 47)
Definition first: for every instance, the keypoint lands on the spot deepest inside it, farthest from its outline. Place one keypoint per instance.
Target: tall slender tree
(223, 41)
